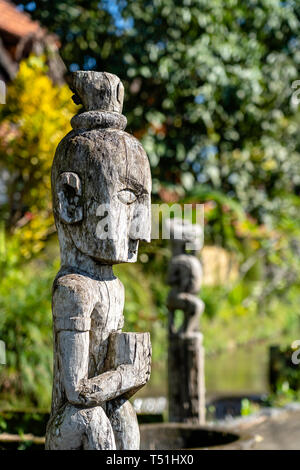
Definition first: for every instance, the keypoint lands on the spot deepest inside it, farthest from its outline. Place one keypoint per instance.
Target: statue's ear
(69, 195)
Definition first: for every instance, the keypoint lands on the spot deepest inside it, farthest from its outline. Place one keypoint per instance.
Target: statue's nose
(142, 237)
(146, 239)
(141, 230)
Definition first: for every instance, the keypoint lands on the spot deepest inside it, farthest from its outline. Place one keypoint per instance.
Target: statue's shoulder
(72, 281)
(72, 293)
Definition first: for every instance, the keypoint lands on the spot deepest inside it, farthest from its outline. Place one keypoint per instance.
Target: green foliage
(238, 319)
(208, 85)
(283, 397)
(24, 422)
(267, 254)
(248, 407)
(285, 375)
(25, 325)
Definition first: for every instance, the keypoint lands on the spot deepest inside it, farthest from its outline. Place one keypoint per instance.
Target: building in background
(20, 36)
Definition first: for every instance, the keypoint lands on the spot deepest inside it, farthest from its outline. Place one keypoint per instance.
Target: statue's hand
(139, 371)
(130, 355)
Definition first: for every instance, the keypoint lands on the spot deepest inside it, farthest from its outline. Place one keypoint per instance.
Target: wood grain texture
(97, 368)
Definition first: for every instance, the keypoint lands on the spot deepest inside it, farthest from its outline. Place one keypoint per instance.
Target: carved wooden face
(104, 202)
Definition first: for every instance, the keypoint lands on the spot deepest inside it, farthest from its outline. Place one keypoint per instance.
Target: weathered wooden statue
(101, 186)
(185, 353)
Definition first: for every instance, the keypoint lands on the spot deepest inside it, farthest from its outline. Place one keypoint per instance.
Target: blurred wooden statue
(186, 353)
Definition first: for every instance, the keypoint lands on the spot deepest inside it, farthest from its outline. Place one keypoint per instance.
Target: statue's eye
(127, 196)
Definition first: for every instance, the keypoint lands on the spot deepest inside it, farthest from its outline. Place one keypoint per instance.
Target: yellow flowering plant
(32, 122)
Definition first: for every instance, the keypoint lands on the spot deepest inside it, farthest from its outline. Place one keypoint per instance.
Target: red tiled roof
(16, 22)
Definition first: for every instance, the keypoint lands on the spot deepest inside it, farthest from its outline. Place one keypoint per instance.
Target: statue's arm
(72, 333)
(80, 390)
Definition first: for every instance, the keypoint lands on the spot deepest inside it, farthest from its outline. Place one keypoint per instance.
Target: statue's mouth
(133, 246)
(132, 249)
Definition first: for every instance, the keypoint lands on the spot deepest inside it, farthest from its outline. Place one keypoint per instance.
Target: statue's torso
(103, 312)
(106, 316)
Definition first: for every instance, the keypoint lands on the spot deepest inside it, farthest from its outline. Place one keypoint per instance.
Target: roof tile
(17, 22)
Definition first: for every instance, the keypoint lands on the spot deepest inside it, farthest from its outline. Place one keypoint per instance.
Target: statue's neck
(98, 119)
(75, 261)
